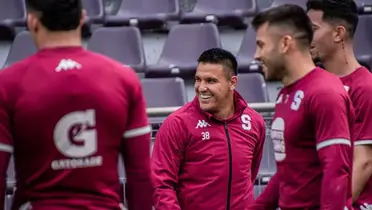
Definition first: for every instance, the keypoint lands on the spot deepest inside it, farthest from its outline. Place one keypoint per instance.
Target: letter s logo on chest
(297, 99)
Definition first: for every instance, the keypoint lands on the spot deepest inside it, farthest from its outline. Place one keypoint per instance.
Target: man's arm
(332, 115)
(362, 166)
(269, 198)
(167, 157)
(136, 153)
(256, 162)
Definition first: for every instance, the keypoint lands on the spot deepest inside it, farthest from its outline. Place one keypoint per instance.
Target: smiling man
(207, 154)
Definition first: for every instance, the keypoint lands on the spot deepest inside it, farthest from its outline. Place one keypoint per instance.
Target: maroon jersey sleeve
(363, 117)
(6, 141)
(258, 152)
(136, 151)
(331, 113)
(166, 160)
(269, 199)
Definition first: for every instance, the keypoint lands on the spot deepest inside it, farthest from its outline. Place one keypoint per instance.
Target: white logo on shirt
(246, 122)
(347, 88)
(280, 99)
(366, 206)
(202, 124)
(67, 64)
(277, 136)
(297, 99)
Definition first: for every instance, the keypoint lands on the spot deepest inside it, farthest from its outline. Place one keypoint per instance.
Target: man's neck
(227, 111)
(342, 62)
(60, 39)
(299, 65)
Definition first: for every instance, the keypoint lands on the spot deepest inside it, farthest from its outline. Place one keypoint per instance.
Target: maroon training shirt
(313, 148)
(359, 86)
(68, 114)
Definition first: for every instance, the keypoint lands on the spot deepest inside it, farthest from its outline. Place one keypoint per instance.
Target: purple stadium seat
(224, 12)
(252, 87)
(22, 47)
(301, 3)
(363, 41)
(364, 6)
(12, 14)
(182, 48)
(95, 14)
(123, 44)
(164, 92)
(246, 53)
(147, 14)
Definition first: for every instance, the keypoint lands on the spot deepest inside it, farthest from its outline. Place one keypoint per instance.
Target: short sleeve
(138, 123)
(331, 113)
(363, 117)
(6, 140)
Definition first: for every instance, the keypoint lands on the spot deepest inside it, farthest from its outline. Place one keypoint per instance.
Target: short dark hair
(220, 56)
(336, 10)
(57, 15)
(290, 15)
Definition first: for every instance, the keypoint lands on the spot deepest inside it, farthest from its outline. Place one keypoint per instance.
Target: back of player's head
(289, 18)
(57, 15)
(337, 11)
(222, 57)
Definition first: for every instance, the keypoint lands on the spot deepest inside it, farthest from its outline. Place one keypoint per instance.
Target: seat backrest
(94, 8)
(228, 5)
(362, 37)
(164, 92)
(252, 87)
(22, 47)
(301, 3)
(123, 44)
(149, 6)
(14, 9)
(186, 42)
(248, 46)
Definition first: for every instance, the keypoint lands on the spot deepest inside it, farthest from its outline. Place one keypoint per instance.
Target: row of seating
(184, 43)
(153, 14)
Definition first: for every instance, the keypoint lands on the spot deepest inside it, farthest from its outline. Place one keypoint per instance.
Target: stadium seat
(95, 15)
(182, 48)
(252, 87)
(223, 12)
(363, 41)
(364, 6)
(22, 47)
(246, 53)
(123, 44)
(301, 3)
(164, 92)
(12, 14)
(146, 14)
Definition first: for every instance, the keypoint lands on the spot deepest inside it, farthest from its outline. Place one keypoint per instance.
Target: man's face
(213, 86)
(267, 51)
(323, 44)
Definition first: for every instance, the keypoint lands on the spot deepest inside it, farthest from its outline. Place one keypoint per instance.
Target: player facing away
(334, 24)
(67, 114)
(312, 121)
(207, 153)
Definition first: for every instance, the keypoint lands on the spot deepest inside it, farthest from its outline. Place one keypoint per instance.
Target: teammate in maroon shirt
(207, 154)
(312, 121)
(67, 114)
(334, 24)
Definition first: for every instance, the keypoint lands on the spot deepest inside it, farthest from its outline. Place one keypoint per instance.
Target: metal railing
(165, 111)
